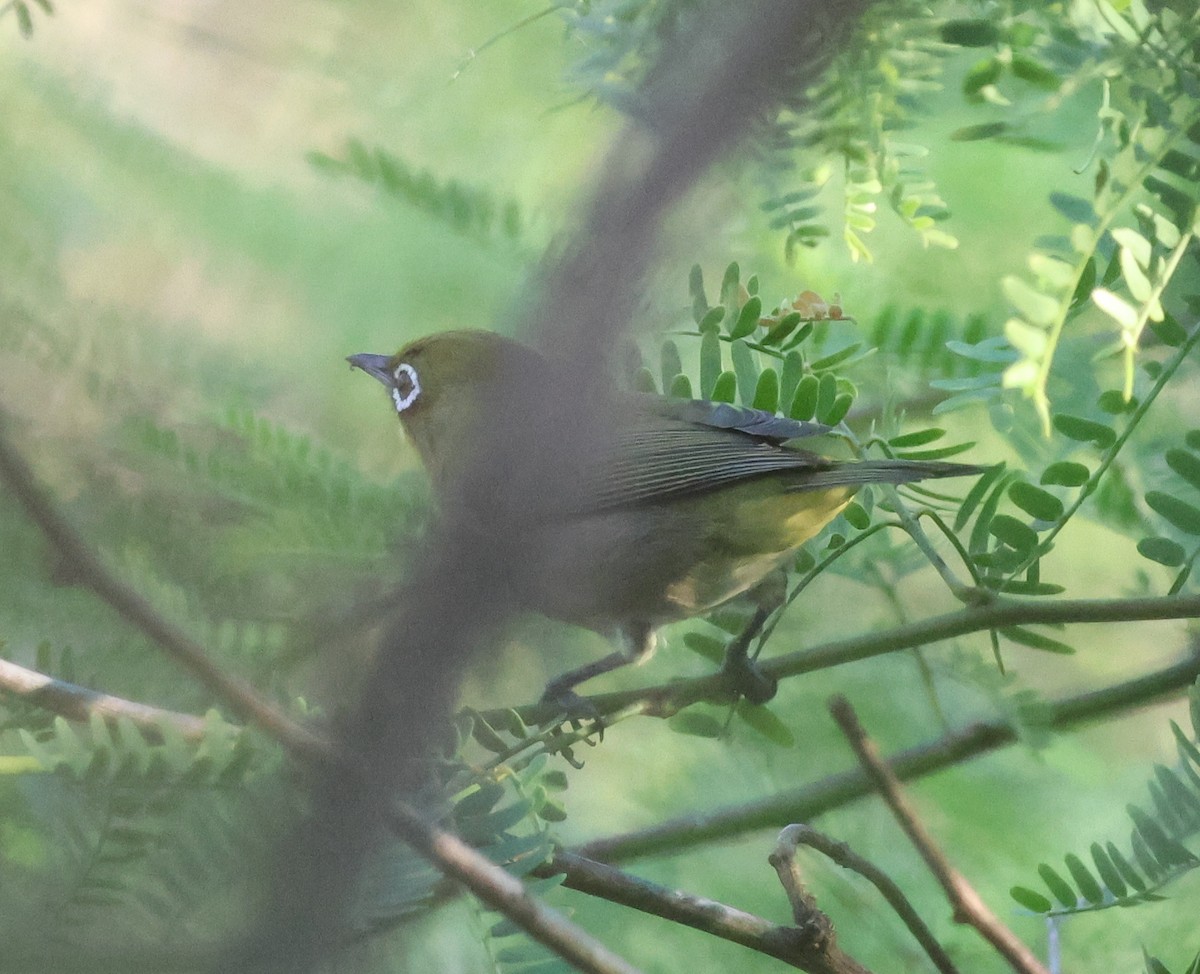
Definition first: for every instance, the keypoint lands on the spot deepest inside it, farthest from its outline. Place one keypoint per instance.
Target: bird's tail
(884, 472)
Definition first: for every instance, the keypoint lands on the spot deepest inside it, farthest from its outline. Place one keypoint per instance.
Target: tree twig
(87, 569)
(998, 613)
(968, 906)
(783, 858)
(840, 789)
(74, 702)
(796, 946)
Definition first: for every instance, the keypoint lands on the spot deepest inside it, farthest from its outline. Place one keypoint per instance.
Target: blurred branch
(454, 857)
(784, 861)
(801, 946)
(996, 613)
(74, 702)
(968, 905)
(84, 567)
(840, 789)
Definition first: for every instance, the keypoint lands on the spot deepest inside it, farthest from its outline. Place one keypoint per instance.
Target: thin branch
(996, 613)
(968, 905)
(837, 790)
(87, 569)
(74, 702)
(844, 856)
(506, 894)
(795, 946)
(487, 880)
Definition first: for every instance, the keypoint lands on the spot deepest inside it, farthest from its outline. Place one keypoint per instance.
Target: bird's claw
(747, 679)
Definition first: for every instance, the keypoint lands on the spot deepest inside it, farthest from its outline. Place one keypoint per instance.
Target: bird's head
(439, 384)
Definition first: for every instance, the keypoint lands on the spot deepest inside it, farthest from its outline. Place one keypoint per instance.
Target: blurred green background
(163, 228)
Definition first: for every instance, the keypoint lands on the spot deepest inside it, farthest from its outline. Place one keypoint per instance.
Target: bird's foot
(571, 708)
(746, 678)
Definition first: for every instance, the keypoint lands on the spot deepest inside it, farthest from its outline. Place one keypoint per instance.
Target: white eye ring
(404, 400)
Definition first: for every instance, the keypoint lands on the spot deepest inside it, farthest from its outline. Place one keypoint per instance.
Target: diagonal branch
(996, 613)
(74, 702)
(969, 906)
(834, 791)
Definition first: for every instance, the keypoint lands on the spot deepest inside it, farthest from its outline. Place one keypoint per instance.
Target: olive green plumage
(686, 505)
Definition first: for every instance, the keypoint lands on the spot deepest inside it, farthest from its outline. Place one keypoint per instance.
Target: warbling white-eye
(688, 504)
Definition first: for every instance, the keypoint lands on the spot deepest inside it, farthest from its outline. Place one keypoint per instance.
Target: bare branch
(803, 946)
(79, 703)
(87, 569)
(968, 905)
(783, 858)
(996, 613)
(840, 789)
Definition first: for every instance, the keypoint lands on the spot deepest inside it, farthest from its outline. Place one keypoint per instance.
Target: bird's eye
(406, 388)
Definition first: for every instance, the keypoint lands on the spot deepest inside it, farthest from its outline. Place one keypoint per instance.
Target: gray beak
(374, 365)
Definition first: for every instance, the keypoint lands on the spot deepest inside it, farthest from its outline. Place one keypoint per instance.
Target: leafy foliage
(468, 209)
(1158, 856)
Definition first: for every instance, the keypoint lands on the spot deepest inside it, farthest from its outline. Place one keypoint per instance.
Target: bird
(679, 506)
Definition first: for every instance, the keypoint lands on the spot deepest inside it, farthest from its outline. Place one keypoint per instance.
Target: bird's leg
(638, 641)
(741, 671)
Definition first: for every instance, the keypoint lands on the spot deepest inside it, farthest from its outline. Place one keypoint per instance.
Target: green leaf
(729, 285)
(975, 32)
(981, 74)
(696, 725)
(680, 387)
(1085, 430)
(916, 438)
(1030, 899)
(725, 389)
(747, 319)
(838, 410)
(785, 327)
(672, 364)
(1186, 464)
(1169, 331)
(1036, 640)
(745, 366)
(1117, 308)
(710, 363)
(1074, 208)
(804, 402)
(1034, 306)
(975, 495)
(1036, 73)
(1065, 473)
(710, 647)
(837, 358)
(1181, 514)
(937, 453)
(975, 133)
(1016, 534)
(766, 393)
(1107, 870)
(1084, 879)
(1125, 868)
(24, 19)
(1164, 551)
(857, 516)
(826, 394)
(696, 289)
(790, 376)
(1059, 888)
(766, 723)
(1035, 502)
(712, 319)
